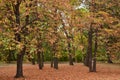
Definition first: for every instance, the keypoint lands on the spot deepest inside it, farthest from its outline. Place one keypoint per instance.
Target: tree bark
(95, 51)
(68, 42)
(55, 62)
(70, 60)
(42, 59)
(52, 60)
(86, 58)
(70, 56)
(39, 60)
(19, 72)
(90, 47)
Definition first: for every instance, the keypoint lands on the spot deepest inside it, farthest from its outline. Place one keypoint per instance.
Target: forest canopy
(59, 30)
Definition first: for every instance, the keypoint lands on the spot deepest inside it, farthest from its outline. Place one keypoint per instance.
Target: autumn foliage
(59, 30)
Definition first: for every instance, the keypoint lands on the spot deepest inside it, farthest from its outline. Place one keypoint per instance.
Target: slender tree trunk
(68, 42)
(42, 59)
(86, 58)
(19, 72)
(90, 48)
(55, 62)
(70, 56)
(52, 60)
(53, 54)
(39, 60)
(95, 51)
(70, 60)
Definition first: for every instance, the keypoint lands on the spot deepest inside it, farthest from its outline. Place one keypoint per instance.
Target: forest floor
(65, 72)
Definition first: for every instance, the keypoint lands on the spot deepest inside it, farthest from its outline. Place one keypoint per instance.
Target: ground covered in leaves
(65, 72)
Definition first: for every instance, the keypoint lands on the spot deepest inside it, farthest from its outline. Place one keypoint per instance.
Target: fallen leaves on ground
(65, 72)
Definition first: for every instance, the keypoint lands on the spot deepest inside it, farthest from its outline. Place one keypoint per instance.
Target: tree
(109, 25)
(19, 28)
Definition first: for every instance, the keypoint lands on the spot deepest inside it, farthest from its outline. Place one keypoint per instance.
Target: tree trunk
(90, 48)
(39, 60)
(19, 72)
(33, 61)
(55, 62)
(70, 60)
(20, 63)
(52, 60)
(42, 59)
(95, 51)
(70, 56)
(86, 59)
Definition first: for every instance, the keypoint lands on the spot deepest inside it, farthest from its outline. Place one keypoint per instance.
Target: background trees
(59, 30)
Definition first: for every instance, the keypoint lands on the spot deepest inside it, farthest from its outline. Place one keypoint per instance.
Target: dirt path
(65, 72)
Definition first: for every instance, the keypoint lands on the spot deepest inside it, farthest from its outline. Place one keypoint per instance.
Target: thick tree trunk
(20, 63)
(90, 48)
(95, 51)
(19, 66)
(55, 62)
